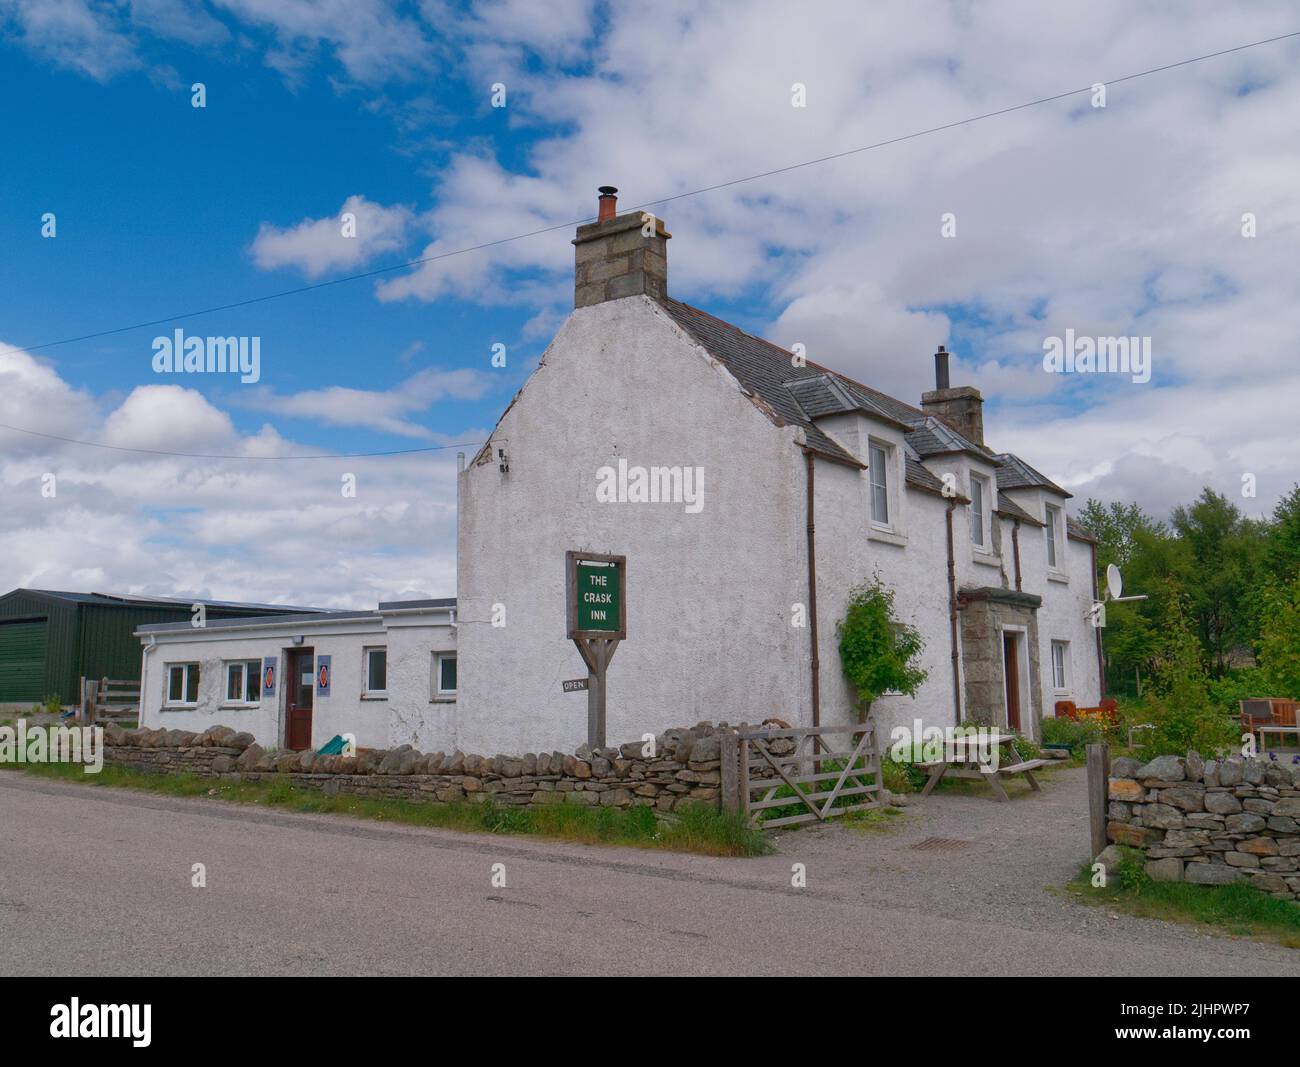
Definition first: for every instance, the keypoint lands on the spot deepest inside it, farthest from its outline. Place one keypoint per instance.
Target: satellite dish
(1114, 583)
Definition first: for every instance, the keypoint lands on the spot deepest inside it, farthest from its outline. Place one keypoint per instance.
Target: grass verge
(1238, 909)
(693, 828)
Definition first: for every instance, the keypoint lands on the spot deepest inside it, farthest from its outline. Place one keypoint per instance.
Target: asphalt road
(98, 882)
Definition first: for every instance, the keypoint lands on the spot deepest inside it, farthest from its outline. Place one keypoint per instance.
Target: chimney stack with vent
(614, 259)
(961, 408)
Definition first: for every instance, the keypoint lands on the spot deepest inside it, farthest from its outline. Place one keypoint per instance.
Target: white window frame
(884, 450)
(1054, 522)
(439, 693)
(244, 666)
(185, 667)
(366, 653)
(979, 519)
(1061, 685)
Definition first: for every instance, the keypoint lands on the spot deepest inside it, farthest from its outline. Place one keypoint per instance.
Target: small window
(1060, 658)
(376, 670)
(978, 509)
(878, 470)
(1053, 535)
(444, 673)
(244, 682)
(182, 683)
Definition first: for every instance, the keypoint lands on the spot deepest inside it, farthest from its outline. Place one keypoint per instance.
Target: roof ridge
(787, 353)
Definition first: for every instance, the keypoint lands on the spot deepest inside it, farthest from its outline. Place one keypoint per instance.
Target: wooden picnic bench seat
(1020, 768)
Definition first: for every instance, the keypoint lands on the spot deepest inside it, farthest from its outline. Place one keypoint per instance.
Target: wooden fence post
(1098, 787)
(730, 754)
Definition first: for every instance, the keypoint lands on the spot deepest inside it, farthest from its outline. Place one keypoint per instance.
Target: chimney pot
(941, 368)
(961, 408)
(608, 203)
(619, 255)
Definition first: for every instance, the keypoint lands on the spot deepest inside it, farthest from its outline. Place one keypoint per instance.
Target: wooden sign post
(595, 592)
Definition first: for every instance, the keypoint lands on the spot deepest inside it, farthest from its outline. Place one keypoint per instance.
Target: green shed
(49, 640)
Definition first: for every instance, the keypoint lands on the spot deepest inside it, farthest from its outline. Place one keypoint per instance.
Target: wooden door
(1011, 672)
(300, 687)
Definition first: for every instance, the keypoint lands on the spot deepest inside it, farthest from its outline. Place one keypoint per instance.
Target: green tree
(1116, 526)
(1279, 639)
(878, 653)
(1148, 554)
(1225, 552)
(1282, 542)
(1180, 708)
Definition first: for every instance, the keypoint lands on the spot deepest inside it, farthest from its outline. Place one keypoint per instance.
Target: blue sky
(1118, 221)
(158, 203)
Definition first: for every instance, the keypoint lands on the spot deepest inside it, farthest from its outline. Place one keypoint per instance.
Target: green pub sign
(599, 598)
(595, 592)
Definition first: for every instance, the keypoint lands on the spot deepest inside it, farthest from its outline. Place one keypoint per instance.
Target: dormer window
(1054, 525)
(979, 510)
(878, 470)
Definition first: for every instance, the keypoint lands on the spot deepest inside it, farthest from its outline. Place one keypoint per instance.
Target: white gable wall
(709, 595)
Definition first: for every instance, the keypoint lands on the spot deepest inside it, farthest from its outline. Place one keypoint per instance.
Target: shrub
(1028, 749)
(1077, 733)
(1130, 872)
(877, 652)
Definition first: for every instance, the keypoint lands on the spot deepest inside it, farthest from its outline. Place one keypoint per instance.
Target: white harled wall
(709, 595)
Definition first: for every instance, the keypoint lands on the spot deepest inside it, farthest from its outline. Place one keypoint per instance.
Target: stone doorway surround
(985, 612)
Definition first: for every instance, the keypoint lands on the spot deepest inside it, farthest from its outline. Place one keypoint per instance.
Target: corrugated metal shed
(50, 639)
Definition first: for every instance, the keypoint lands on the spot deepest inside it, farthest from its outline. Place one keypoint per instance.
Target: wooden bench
(973, 770)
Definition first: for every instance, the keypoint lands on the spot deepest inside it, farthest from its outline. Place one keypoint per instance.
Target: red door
(300, 686)
(1011, 671)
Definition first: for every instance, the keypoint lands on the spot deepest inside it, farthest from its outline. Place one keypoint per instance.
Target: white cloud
(251, 529)
(369, 38)
(315, 246)
(386, 411)
(72, 34)
(168, 417)
(1123, 221)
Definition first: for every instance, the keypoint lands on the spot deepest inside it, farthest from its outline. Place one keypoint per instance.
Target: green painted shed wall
(93, 640)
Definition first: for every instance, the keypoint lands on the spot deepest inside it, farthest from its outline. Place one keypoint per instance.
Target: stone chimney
(613, 259)
(961, 408)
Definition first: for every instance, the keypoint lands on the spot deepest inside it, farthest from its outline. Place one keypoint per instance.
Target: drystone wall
(684, 768)
(1209, 821)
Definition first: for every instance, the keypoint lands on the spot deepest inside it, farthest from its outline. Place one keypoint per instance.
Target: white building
(388, 677)
(803, 472)
(784, 485)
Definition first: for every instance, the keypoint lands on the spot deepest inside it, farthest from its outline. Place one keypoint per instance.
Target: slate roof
(1075, 529)
(932, 436)
(1015, 473)
(799, 396)
(1009, 508)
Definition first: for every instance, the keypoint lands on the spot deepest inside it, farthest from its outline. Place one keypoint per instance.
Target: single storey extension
(387, 677)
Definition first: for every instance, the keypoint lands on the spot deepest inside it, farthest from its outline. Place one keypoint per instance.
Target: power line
(652, 203)
(211, 455)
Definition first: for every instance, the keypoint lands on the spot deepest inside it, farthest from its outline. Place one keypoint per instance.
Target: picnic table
(1281, 731)
(960, 760)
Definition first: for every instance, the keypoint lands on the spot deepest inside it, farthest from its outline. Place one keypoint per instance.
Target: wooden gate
(110, 700)
(814, 769)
